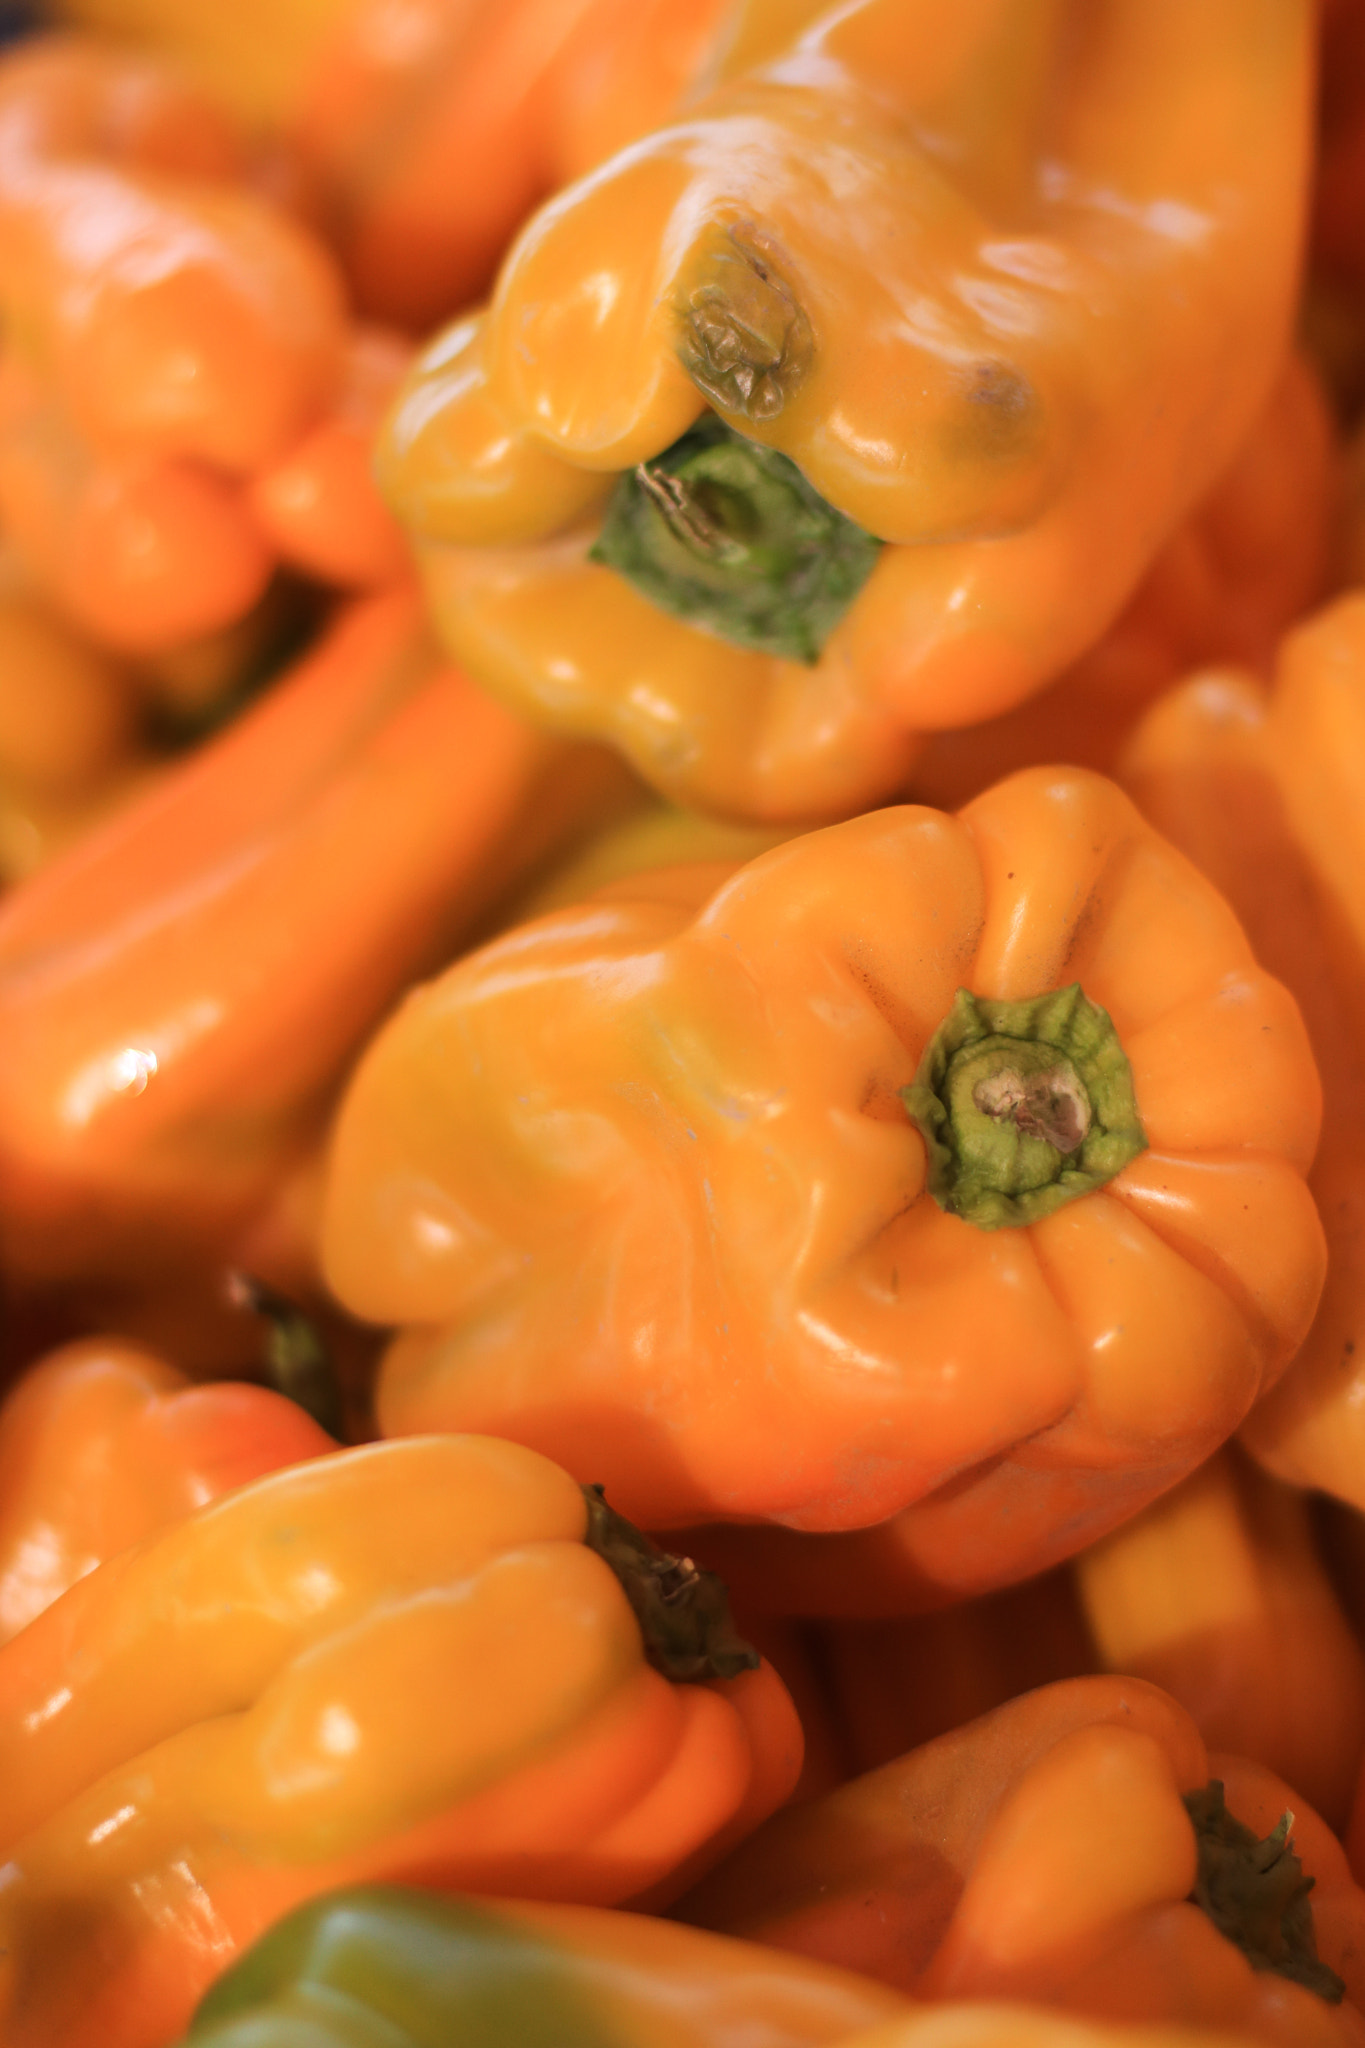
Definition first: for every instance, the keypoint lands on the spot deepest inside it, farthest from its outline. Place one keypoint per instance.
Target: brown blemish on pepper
(1002, 415)
(745, 341)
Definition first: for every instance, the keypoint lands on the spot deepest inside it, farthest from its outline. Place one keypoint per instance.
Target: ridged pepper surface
(184, 401)
(1265, 788)
(1078, 1848)
(417, 1660)
(784, 1201)
(981, 305)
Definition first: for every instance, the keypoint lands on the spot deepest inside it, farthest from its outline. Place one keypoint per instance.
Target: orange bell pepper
(181, 992)
(1216, 1593)
(1256, 553)
(1264, 789)
(691, 1189)
(1048, 1852)
(424, 147)
(103, 1443)
(981, 308)
(70, 744)
(241, 1712)
(429, 157)
(170, 337)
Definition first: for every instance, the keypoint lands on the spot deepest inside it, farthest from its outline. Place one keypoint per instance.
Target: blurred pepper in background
(184, 401)
(181, 992)
(419, 138)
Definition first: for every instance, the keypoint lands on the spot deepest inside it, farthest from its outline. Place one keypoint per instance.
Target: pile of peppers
(682, 1024)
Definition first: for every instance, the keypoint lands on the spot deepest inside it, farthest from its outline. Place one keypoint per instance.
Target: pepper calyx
(1256, 1893)
(1023, 1106)
(683, 1610)
(727, 534)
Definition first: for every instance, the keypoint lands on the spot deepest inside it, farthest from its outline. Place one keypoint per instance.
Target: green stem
(1256, 1894)
(683, 1611)
(727, 534)
(1023, 1106)
(297, 1363)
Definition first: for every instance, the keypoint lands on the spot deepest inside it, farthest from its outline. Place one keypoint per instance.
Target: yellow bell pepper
(980, 305)
(437, 1660)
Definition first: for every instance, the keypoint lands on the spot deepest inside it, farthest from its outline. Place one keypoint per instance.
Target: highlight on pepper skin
(252, 1720)
(640, 1186)
(971, 305)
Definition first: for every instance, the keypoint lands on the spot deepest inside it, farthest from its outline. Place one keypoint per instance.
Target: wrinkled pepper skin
(1216, 1593)
(103, 1443)
(443, 1970)
(1264, 788)
(639, 1180)
(424, 150)
(401, 1662)
(1044, 1853)
(170, 1046)
(178, 359)
(1033, 273)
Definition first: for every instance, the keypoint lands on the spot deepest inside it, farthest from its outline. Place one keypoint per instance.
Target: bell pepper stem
(1023, 1106)
(727, 534)
(1256, 1893)
(297, 1363)
(683, 1611)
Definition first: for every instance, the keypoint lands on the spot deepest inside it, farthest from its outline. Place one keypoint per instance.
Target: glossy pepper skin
(424, 149)
(180, 380)
(1044, 1853)
(1264, 788)
(403, 1662)
(640, 1180)
(103, 1443)
(1016, 2026)
(70, 744)
(180, 993)
(1216, 1593)
(1255, 554)
(440, 1970)
(1008, 293)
